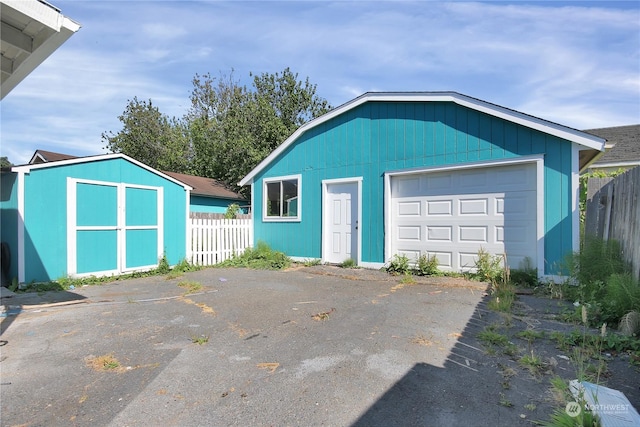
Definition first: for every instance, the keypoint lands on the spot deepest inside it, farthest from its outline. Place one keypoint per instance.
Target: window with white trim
(282, 198)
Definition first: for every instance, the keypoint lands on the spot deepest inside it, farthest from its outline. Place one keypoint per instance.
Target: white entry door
(340, 234)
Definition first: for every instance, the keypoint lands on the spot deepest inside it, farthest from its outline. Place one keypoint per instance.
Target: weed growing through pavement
(504, 401)
(106, 362)
(190, 286)
(200, 340)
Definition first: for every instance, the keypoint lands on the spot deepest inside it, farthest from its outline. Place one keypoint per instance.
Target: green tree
(234, 128)
(151, 137)
(4, 162)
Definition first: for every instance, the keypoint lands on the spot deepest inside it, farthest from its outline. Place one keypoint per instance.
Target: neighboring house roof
(206, 186)
(87, 159)
(591, 144)
(200, 186)
(31, 31)
(626, 146)
(42, 156)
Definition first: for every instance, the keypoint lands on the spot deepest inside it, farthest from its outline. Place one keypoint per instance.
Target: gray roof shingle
(626, 140)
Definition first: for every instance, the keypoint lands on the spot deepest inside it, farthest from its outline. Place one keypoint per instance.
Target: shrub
(232, 211)
(398, 265)
(427, 266)
(489, 268)
(163, 265)
(260, 257)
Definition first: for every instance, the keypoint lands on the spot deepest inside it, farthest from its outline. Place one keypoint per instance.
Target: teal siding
(377, 137)
(211, 204)
(46, 215)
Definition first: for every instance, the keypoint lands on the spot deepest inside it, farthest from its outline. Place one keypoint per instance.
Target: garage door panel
(516, 205)
(454, 214)
(466, 260)
(439, 207)
(444, 258)
(439, 234)
(409, 208)
(474, 206)
(409, 232)
(475, 234)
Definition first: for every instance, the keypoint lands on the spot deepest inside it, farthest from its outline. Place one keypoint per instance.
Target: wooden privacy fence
(216, 240)
(613, 212)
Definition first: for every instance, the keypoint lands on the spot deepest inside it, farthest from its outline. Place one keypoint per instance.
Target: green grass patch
(190, 286)
(491, 337)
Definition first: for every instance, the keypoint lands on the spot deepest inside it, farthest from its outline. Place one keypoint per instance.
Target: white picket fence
(216, 240)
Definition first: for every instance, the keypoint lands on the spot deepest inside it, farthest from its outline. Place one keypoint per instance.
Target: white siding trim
(575, 202)
(188, 249)
(585, 139)
(21, 219)
(89, 159)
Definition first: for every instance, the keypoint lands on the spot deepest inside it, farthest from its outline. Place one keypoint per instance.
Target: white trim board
(584, 139)
(101, 157)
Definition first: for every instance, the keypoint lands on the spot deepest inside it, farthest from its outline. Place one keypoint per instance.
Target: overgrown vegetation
(260, 257)
(601, 281)
(232, 211)
(424, 266)
(349, 263)
(69, 283)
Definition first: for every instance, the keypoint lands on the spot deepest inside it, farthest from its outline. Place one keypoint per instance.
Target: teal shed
(209, 195)
(424, 173)
(97, 215)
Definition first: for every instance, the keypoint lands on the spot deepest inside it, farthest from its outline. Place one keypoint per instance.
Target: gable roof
(588, 141)
(42, 156)
(207, 187)
(87, 159)
(626, 146)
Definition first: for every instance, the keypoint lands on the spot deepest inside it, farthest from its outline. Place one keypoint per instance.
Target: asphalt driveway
(309, 347)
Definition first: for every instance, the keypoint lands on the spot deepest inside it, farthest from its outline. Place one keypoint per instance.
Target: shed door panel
(453, 214)
(96, 228)
(114, 228)
(141, 227)
(97, 250)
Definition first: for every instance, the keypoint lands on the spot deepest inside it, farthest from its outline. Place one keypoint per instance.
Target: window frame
(265, 198)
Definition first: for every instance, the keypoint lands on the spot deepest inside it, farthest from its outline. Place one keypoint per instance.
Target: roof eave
(588, 141)
(28, 167)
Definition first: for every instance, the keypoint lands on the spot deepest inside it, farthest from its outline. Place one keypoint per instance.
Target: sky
(573, 63)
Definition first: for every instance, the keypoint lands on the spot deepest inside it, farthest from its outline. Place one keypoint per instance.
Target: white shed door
(453, 214)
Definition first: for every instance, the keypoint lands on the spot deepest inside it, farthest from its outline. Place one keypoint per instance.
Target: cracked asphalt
(308, 347)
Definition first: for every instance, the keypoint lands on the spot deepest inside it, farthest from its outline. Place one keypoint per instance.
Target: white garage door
(453, 214)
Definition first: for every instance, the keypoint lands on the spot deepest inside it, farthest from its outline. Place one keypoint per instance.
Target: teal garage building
(423, 173)
(97, 215)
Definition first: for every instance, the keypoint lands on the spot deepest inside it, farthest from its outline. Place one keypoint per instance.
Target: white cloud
(575, 65)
